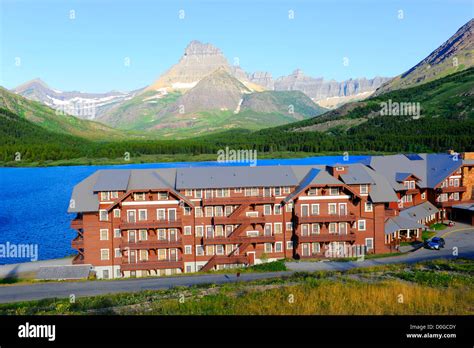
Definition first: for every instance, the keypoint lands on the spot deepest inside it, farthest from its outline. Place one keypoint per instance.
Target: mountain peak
(196, 48)
(35, 82)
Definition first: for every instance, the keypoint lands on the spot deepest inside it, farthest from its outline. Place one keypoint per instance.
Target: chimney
(337, 169)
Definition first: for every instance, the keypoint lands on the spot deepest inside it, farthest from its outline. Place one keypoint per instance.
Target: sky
(102, 45)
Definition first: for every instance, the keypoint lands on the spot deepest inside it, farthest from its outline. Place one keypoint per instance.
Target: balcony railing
(125, 225)
(237, 200)
(77, 223)
(238, 240)
(233, 220)
(451, 189)
(147, 265)
(77, 243)
(327, 237)
(326, 218)
(151, 244)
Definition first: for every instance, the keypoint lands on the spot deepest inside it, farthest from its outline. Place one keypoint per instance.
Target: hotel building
(148, 222)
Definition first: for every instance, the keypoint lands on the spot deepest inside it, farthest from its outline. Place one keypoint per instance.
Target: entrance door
(305, 249)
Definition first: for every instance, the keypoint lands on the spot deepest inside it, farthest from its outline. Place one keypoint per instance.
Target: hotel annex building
(147, 222)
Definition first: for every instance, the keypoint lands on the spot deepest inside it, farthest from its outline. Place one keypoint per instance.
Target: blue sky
(88, 53)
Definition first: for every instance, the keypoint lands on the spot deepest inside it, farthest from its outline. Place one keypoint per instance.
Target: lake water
(34, 202)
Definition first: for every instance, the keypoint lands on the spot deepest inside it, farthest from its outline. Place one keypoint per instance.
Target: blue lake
(34, 201)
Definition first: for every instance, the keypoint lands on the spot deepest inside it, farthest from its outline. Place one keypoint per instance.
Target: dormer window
(334, 191)
(162, 195)
(114, 195)
(340, 169)
(104, 196)
(364, 189)
(188, 193)
(139, 196)
(409, 185)
(313, 192)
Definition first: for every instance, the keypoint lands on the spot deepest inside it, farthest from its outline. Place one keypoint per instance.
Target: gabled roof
(396, 223)
(357, 174)
(419, 211)
(83, 198)
(400, 177)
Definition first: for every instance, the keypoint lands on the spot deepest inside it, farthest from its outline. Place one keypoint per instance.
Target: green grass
(438, 226)
(436, 287)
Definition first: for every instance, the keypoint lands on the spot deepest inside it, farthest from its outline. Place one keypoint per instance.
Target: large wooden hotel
(148, 222)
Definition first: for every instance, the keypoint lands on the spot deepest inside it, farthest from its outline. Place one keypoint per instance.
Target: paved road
(461, 237)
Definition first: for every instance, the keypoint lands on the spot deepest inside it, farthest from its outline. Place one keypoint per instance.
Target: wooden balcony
(147, 265)
(151, 244)
(327, 237)
(451, 189)
(77, 224)
(326, 218)
(238, 240)
(124, 225)
(235, 220)
(77, 243)
(238, 200)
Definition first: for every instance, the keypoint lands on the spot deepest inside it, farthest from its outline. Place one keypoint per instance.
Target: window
(104, 234)
(278, 227)
(342, 228)
(117, 213)
(368, 207)
(162, 234)
(423, 195)
(314, 209)
(139, 196)
(289, 245)
(268, 247)
(333, 227)
(267, 192)
(364, 189)
(172, 214)
(162, 196)
(209, 232)
(254, 191)
(114, 194)
(312, 192)
(219, 193)
(286, 189)
(219, 250)
(238, 190)
(456, 183)
(143, 234)
(104, 254)
(117, 252)
(142, 214)
(198, 212)
(289, 226)
(188, 193)
(407, 198)
(456, 196)
(188, 249)
(228, 230)
(334, 191)
(162, 254)
(187, 211)
(103, 215)
(277, 209)
(304, 230)
(209, 212)
(199, 231)
(198, 193)
(219, 231)
(161, 214)
(361, 225)
(219, 211)
(315, 228)
(316, 248)
(228, 210)
(289, 207)
(277, 191)
(117, 233)
(104, 196)
(187, 230)
(369, 243)
(209, 250)
(332, 208)
(143, 255)
(267, 209)
(278, 247)
(268, 230)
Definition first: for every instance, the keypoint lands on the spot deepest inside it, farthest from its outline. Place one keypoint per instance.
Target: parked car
(451, 223)
(435, 243)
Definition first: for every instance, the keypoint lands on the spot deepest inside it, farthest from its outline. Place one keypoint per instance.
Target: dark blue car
(435, 243)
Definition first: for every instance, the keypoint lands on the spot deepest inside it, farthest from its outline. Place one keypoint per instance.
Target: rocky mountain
(318, 89)
(456, 54)
(198, 61)
(79, 104)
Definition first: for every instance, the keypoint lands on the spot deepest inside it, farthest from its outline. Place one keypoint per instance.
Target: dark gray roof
(419, 211)
(83, 198)
(112, 180)
(380, 190)
(396, 223)
(149, 178)
(400, 177)
(357, 174)
(467, 206)
(228, 177)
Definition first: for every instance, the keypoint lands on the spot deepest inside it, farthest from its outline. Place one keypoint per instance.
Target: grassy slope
(437, 287)
(50, 120)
